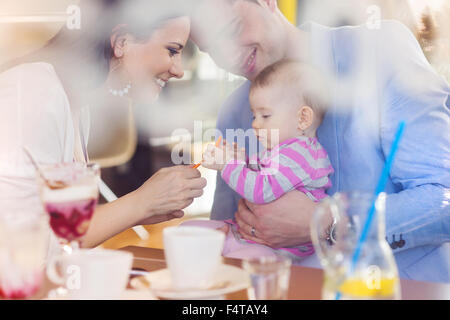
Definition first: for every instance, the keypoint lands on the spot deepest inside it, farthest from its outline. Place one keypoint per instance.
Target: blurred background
(133, 142)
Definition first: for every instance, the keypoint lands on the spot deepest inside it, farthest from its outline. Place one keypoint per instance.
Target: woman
(128, 48)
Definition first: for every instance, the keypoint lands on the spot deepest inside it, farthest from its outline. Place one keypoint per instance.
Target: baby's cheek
(283, 134)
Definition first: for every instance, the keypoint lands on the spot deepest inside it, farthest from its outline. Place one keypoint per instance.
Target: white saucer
(126, 295)
(229, 279)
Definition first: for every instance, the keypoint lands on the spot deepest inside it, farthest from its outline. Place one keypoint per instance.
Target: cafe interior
(134, 141)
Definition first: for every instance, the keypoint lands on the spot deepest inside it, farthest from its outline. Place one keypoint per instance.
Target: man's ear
(271, 4)
(305, 117)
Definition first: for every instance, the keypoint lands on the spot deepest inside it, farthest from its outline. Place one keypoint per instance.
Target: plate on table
(228, 279)
(126, 295)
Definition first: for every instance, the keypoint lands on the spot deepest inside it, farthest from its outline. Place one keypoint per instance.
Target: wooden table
(305, 283)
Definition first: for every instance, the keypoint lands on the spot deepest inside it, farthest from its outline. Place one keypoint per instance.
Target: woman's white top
(34, 112)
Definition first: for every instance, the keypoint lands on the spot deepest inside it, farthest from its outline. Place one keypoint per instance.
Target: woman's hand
(162, 197)
(281, 223)
(168, 192)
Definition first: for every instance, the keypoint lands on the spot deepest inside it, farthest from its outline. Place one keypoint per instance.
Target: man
(379, 77)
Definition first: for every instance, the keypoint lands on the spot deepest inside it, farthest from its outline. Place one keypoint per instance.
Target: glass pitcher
(335, 230)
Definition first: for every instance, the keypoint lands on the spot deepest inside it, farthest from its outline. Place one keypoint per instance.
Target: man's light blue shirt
(378, 78)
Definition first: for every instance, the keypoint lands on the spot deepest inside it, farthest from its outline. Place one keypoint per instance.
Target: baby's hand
(213, 158)
(216, 157)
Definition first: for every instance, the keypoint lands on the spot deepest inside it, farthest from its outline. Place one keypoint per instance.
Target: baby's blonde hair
(308, 84)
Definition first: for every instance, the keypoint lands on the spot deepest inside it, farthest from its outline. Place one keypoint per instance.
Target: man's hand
(282, 223)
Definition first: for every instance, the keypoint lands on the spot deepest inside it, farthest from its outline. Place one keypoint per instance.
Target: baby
(287, 99)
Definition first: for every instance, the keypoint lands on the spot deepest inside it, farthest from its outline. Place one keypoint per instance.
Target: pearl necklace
(121, 92)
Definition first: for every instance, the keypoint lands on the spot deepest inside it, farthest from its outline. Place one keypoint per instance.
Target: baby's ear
(305, 117)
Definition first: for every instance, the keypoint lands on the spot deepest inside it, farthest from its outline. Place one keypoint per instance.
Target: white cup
(193, 255)
(92, 274)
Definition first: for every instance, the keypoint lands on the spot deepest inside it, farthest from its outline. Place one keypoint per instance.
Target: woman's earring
(123, 91)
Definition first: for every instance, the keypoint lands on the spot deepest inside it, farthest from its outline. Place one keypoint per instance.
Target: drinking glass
(269, 277)
(69, 196)
(23, 249)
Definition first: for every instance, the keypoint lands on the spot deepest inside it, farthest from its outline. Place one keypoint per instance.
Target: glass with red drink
(69, 196)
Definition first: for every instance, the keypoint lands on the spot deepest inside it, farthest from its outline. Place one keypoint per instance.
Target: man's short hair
(302, 79)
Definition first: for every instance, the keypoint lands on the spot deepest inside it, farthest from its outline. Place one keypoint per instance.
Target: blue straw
(380, 188)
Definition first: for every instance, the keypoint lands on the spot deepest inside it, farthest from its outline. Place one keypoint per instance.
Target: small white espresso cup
(193, 255)
(92, 274)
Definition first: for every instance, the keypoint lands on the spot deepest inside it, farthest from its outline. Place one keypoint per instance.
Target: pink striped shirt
(298, 163)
